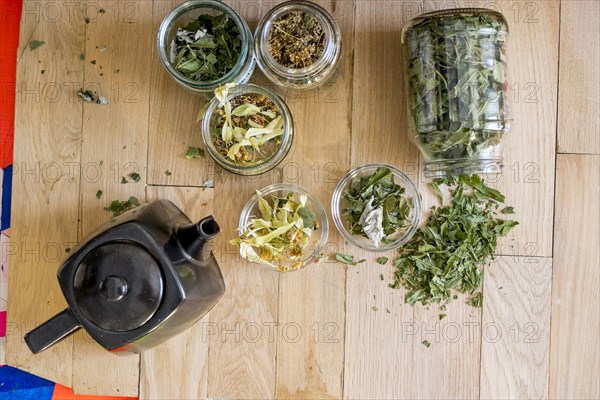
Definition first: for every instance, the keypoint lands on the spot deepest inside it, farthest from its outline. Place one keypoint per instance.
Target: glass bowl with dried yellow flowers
(247, 129)
(282, 227)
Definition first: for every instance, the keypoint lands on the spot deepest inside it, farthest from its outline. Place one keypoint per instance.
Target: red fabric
(10, 19)
(64, 393)
(2, 324)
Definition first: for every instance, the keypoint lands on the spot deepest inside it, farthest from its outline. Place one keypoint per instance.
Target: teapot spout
(194, 237)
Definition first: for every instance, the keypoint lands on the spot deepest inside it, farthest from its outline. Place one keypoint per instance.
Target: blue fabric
(20, 385)
(6, 191)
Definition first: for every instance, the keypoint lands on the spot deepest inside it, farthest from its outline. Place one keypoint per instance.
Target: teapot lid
(118, 286)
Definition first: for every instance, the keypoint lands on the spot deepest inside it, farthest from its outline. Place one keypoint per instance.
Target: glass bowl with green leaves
(247, 129)
(376, 207)
(205, 43)
(282, 227)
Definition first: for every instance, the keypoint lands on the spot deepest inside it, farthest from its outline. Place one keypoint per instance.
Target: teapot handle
(52, 331)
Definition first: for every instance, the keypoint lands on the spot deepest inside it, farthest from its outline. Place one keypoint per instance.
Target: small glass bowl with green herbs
(204, 44)
(376, 207)
(282, 227)
(247, 129)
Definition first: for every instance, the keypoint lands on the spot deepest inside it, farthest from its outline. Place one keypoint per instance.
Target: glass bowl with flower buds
(282, 227)
(247, 129)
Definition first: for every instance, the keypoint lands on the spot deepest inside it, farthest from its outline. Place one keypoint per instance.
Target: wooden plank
(528, 174)
(574, 350)
(186, 353)
(579, 120)
(172, 119)
(516, 329)
(379, 334)
(310, 349)
(453, 359)
(241, 339)
(45, 182)
(115, 144)
(379, 326)
(243, 325)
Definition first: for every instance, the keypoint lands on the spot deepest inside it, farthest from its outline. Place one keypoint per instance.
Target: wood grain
(528, 174)
(574, 350)
(379, 334)
(579, 87)
(45, 184)
(242, 345)
(378, 342)
(186, 353)
(516, 329)
(114, 142)
(313, 299)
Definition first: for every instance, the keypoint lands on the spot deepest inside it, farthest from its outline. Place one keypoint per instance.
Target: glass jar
(189, 11)
(340, 205)
(213, 115)
(314, 246)
(311, 75)
(457, 89)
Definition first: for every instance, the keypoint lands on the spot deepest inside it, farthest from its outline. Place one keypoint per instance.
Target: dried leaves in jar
(248, 128)
(296, 40)
(457, 83)
(206, 48)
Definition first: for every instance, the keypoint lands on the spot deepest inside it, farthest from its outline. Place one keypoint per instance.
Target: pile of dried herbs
(448, 253)
(296, 40)
(376, 207)
(281, 237)
(118, 207)
(456, 82)
(206, 48)
(248, 128)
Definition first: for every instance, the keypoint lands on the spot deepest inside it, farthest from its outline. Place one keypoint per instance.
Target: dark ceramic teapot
(137, 281)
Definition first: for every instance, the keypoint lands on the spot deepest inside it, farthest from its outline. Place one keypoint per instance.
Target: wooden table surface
(323, 332)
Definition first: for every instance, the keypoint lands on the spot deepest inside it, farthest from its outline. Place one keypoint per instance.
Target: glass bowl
(318, 238)
(186, 12)
(392, 241)
(209, 122)
(313, 75)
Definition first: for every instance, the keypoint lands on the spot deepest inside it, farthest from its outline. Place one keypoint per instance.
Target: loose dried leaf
(194, 152)
(382, 260)
(118, 207)
(346, 259)
(35, 44)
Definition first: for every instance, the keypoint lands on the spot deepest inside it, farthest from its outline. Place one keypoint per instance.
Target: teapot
(136, 281)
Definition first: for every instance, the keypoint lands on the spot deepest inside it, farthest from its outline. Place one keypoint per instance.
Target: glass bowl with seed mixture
(205, 43)
(376, 207)
(457, 89)
(247, 129)
(298, 45)
(282, 227)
